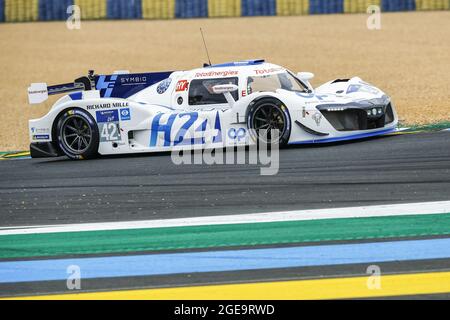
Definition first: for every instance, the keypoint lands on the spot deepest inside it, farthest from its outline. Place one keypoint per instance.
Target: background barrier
(258, 7)
(191, 8)
(92, 9)
(359, 6)
(53, 9)
(326, 6)
(292, 7)
(432, 5)
(2, 10)
(224, 8)
(45, 10)
(158, 9)
(21, 10)
(398, 5)
(125, 9)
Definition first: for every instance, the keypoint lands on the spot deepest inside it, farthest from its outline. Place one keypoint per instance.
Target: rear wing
(39, 92)
(121, 84)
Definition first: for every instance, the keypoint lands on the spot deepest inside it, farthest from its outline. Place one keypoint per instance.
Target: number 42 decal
(109, 131)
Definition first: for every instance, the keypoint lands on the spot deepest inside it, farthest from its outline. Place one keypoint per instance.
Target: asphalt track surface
(393, 169)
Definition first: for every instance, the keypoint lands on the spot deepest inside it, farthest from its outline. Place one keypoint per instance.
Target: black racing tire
(77, 134)
(269, 113)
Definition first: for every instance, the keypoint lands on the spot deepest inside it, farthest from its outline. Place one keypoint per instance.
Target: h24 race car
(214, 106)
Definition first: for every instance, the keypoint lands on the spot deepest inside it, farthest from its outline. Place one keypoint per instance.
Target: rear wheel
(78, 135)
(269, 114)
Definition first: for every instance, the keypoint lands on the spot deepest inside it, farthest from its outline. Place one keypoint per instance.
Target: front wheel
(77, 134)
(269, 114)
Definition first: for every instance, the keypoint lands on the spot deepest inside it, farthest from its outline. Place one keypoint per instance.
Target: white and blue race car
(215, 106)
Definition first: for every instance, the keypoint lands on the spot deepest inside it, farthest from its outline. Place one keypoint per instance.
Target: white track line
(352, 212)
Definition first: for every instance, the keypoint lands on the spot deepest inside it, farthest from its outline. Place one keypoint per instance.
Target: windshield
(272, 82)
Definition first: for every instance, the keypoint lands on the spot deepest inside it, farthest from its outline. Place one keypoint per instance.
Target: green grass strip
(429, 127)
(251, 234)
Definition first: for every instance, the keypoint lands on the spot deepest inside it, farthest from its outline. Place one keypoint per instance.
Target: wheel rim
(76, 134)
(269, 117)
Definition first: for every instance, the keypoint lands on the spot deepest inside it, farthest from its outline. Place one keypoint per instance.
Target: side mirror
(305, 76)
(224, 88)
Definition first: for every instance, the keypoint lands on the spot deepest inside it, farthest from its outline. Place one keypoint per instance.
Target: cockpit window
(200, 91)
(273, 82)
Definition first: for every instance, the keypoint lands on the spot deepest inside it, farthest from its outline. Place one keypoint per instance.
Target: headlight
(375, 111)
